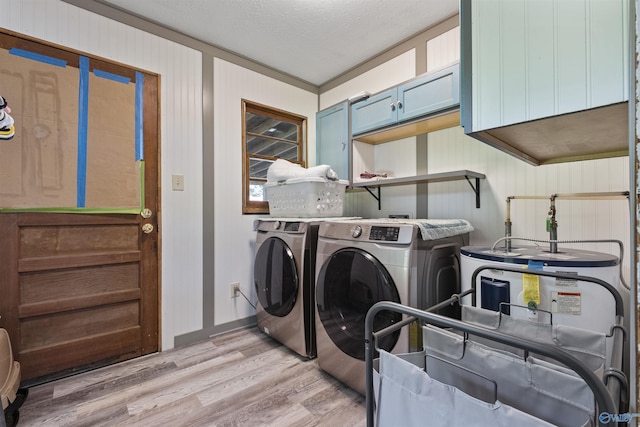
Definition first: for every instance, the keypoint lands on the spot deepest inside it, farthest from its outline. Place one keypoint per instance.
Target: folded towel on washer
(431, 229)
(282, 170)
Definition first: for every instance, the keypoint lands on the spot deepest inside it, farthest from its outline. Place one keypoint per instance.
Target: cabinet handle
(344, 145)
(399, 104)
(393, 107)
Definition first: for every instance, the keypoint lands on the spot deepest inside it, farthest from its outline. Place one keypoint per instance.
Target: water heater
(570, 302)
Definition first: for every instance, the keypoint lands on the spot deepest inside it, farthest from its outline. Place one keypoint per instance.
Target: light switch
(177, 182)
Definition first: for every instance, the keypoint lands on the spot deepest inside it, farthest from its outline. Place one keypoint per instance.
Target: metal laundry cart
(607, 396)
(614, 370)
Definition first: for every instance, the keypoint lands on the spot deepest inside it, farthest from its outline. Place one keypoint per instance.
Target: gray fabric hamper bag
(407, 396)
(547, 391)
(589, 347)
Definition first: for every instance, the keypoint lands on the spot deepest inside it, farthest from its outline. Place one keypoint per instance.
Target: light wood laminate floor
(240, 378)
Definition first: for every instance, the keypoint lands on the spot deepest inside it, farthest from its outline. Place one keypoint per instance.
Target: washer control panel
(379, 233)
(290, 227)
(386, 234)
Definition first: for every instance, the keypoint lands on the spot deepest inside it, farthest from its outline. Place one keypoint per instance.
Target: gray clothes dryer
(359, 263)
(284, 277)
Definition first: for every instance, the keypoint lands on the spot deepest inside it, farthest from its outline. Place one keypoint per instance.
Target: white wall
(234, 235)
(181, 135)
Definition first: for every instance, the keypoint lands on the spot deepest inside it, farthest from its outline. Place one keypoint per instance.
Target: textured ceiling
(313, 40)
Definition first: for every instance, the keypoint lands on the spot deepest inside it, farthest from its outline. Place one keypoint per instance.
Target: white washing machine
(359, 263)
(284, 276)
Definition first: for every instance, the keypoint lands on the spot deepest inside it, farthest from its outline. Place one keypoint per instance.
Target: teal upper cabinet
(546, 81)
(430, 93)
(332, 138)
(378, 111)
(421, 97)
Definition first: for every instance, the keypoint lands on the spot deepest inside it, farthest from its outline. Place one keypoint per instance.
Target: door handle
(147, 228)
(146, 213)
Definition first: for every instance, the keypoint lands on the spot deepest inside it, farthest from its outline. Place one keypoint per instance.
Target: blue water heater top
(565, 257)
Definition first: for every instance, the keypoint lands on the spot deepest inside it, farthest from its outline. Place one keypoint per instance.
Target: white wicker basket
(306, 197)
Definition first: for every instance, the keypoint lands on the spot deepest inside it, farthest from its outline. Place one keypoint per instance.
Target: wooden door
(80, 290)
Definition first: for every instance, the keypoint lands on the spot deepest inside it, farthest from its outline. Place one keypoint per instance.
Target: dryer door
(276, 277)
(349, 283)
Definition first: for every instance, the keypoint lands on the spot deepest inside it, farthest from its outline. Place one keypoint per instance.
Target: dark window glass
(349, 283)
(268, 134)
(276, 277)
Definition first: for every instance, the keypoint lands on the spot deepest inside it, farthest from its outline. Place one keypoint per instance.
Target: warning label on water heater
(565, 281)
(566, 302)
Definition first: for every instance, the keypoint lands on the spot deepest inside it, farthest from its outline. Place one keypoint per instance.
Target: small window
(268, 134)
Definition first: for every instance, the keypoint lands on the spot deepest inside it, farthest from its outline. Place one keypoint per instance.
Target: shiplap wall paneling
(443, 50)
(234, 233)
(506, 176)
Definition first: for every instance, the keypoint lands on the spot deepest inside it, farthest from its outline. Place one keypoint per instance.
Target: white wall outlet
(177, 182)
(234, 290)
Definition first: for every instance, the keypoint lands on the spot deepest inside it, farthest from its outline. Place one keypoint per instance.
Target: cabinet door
(332, 138)
(531, 60)
(429, 94)
(378, 111)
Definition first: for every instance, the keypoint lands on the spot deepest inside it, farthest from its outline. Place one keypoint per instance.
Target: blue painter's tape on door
(83, 117)
(111, 76)
(139, 116)
(38, 57)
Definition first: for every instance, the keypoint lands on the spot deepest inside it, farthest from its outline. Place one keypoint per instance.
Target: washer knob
(356, 231)
(276, 225)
